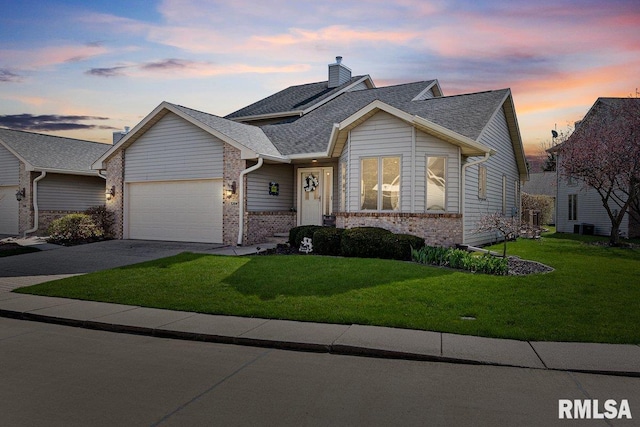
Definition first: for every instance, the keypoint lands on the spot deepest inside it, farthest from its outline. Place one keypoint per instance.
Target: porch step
(278, 238)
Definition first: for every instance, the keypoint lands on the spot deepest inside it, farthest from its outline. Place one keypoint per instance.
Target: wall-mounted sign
(274, 189)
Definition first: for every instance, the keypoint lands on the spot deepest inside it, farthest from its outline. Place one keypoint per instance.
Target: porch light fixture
(110, 192)
(20, 194)
(231, 190)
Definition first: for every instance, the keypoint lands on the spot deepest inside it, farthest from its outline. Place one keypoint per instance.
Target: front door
(315, 195)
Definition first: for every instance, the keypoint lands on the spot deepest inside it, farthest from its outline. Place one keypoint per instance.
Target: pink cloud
(49, 56)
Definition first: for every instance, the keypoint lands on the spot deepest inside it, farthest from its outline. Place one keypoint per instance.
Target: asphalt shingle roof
(293, 98)
(251, 137)
(465, 114)
(53, 152)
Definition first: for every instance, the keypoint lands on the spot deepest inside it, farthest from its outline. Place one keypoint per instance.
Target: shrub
(103, 219)
(398, 246)
(326, 241)
(73, 229)
(457, 258)
(296, 234)
(365, 242)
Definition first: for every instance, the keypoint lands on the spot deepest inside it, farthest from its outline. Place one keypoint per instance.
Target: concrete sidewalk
(340, 339)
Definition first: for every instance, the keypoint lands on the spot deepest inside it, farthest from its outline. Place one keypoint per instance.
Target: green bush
(365, 242)
(398, 246)
(296, 234)
(326, 241)
(74, 229)
(103, 219)
(457, 258)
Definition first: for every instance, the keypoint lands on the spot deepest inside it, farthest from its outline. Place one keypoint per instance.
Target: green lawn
(593, 295)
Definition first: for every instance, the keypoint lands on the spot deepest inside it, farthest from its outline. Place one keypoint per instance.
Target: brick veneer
(436, 229)
(232, 166)
(259, 226)
(115, 177)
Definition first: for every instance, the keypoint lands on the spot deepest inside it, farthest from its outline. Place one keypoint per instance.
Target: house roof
(296, 100)
(52, 153)
(250, 140)
(466, 115)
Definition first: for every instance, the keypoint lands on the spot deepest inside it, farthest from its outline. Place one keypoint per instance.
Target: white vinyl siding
(174, 149)
(258, 197)
(9, 168)
(57, 192)
(496, 135)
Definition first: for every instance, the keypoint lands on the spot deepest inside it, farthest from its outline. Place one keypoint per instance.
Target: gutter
(241, 197)
(36, 211)
(462, 192)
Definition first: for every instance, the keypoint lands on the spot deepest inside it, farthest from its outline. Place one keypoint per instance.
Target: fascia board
(472, 147)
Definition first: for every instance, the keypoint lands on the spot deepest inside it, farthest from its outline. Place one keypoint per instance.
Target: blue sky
(81, 69)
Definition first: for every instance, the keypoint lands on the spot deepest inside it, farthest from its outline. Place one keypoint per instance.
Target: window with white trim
(380, 183)
(436, 184)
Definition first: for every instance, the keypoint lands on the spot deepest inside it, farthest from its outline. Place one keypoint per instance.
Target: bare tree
(604, 154)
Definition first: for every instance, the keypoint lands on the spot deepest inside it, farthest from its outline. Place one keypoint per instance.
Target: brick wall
(115, 177)
(232, 165)
(259, 226)
(436, 229)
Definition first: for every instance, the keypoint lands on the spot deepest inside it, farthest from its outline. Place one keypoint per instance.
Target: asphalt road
(53, 375)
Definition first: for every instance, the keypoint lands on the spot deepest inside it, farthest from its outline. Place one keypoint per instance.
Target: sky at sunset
(82, 69)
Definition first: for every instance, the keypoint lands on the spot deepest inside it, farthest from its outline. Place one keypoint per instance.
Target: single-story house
(579, 209)
(44, 177)
(340, 151)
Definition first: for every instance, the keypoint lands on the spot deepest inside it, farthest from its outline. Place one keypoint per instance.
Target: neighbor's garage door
(8, 210)
(185, 211)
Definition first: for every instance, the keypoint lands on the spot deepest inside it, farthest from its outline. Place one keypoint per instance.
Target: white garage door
(8, 210)
(184, 211)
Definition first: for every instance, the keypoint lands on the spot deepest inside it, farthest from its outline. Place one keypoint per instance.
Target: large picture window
(380, 183)
(436, 184)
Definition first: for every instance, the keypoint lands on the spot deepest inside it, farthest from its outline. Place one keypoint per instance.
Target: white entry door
(315, 195)
(8, 210)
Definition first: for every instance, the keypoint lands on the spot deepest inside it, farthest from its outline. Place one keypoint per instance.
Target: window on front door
(380, 183)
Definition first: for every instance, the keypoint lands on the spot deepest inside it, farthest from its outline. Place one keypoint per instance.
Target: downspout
(36, 211)
(463, 192)
(241, 197)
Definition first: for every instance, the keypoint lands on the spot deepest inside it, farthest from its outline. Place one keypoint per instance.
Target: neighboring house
(542, 184)
(580, 209)
(341, 151)
(51, 175)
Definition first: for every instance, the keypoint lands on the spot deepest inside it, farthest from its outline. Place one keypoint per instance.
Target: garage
(185, 211)
(8, 210)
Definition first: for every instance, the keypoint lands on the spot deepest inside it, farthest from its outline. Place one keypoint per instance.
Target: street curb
(338, 349)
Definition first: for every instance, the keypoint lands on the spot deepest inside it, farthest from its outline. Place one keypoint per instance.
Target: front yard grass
(592, 296)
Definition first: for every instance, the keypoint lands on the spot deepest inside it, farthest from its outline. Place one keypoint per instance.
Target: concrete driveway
(95, 256)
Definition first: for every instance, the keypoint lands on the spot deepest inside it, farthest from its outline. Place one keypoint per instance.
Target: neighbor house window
(482, 182)
(380, 183)
(436, 183)
(573, 207)
(343, 186)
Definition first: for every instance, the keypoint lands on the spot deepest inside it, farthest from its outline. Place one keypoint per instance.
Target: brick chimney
(338, 73)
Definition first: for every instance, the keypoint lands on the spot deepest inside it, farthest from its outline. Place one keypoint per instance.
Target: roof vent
(338, 73)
